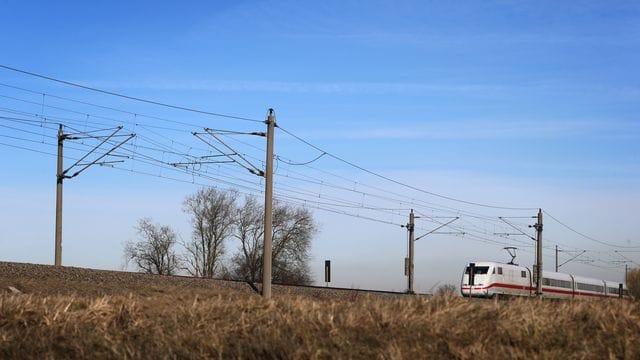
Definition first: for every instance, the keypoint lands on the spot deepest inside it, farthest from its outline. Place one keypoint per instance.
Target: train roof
(615, 283)
(554, 275)
(495, 263)
(588, 280)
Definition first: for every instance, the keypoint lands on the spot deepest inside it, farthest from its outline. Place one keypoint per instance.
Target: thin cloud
(549, 86)
(300, 87)
(478, 130)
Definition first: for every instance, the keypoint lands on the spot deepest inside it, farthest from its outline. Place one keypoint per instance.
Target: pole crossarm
(68, 137)
(85, 167)
(86, 134)
(103, 163)
(573, 258)
(258, 172)
(247, 165)
(516, 228)
(105, 139)
(186, 164)
(626, 258)
(620, 261)
(231, 132)
(438, 228)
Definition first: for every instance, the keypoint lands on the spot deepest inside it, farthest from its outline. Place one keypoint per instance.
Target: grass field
(178, 322)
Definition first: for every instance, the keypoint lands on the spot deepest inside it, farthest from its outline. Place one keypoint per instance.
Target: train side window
(523, 274)
(499, 271)
(591, 287)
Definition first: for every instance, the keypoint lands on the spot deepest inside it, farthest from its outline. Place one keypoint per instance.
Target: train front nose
(474, 280)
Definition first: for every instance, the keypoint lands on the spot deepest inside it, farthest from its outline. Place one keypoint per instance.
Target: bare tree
(212, 217)
(153, 253)
(293, 229)
(250, 231)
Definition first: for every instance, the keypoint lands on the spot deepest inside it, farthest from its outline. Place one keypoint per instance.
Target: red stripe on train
(544, 289)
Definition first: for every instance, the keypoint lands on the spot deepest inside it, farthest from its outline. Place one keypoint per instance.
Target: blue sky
(515, 103)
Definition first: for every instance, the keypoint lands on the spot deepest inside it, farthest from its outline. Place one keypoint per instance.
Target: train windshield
(479, 270)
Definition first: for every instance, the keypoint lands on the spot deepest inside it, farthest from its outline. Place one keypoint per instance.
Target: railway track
(49, 279)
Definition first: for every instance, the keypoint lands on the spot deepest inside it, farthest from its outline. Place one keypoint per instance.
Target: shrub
(633, 282)
(446, 290)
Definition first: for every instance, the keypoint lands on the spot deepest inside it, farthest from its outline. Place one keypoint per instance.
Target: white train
(492, 279)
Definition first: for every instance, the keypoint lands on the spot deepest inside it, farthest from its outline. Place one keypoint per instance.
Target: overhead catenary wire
(99, 106)
(307, 202)
(399, 182)
(85, 121)
(60, 108)
(337, 202)
(295, 136)
(410, 202)
(69, 83)
(132, 113)
(340, 205)
(27, 149)
(302, 163)
(355, 206)
(590, 237)
(375, 202)
(173, 106)
(626, 258)
(277, 197)
(66, 122)
(320, 206)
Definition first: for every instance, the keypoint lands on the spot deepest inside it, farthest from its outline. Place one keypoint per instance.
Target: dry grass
(245, 326)
(81, 313)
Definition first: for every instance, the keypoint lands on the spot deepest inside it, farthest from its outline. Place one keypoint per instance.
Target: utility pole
(408, 266)
(538, 227)
(626, 270)
(537, 266)
(411, 228)
(236, 157)
(59, 178)
(268, 209)
(61, 173)
(556, 258)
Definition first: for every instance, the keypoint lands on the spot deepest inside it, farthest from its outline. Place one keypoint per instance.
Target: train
(494, 280)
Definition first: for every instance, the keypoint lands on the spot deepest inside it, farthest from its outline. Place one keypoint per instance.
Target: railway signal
(327, 272)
